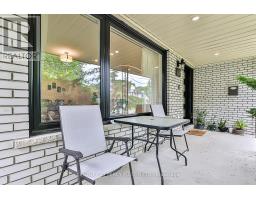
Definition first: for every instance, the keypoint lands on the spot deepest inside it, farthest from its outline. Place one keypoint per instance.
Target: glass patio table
(157, 123)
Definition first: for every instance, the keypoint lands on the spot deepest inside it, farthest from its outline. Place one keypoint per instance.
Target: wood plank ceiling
(211, 39)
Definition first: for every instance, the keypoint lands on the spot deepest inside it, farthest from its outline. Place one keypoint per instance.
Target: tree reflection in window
(79, 83)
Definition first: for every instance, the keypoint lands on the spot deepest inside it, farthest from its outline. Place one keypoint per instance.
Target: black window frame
(106, 21)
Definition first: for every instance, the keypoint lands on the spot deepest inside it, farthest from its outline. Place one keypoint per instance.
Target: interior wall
(211, 84)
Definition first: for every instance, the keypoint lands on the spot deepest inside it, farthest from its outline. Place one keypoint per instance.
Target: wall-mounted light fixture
(179, 66)
(66, 57)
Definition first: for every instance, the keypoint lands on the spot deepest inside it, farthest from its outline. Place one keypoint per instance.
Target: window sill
(36, 140)
(55, 136)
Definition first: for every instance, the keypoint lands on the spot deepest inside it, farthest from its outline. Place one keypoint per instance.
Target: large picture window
(88, 60)
(135, 75)
(70, 73)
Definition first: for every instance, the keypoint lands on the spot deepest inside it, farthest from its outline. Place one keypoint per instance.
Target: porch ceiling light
(66, 57)
(195, 18)
(216, 54)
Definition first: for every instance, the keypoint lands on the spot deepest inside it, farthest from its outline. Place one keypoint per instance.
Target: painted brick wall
(40, 164)
(175, 88)
(211, 84)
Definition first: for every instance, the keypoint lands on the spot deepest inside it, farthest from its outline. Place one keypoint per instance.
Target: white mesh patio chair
(83, 137)
(158, 111)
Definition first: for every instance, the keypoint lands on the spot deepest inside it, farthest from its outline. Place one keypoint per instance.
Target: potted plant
(200, 119)
(211, 126)
(222, 126)
(240, 125)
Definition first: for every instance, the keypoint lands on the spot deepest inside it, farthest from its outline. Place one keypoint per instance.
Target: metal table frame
(158, 129)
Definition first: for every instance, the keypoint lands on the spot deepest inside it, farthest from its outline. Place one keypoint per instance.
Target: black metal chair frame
(78, 156)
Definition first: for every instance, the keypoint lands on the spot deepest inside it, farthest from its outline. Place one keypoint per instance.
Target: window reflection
(135, 76)
(69, 63)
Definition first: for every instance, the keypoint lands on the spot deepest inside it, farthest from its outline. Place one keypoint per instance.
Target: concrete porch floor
(215, 158)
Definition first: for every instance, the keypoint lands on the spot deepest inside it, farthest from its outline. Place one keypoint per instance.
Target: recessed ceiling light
(111, 54)
(116, 51)
(195, 18)
(96, 60)
(156, 67)
(216, 54)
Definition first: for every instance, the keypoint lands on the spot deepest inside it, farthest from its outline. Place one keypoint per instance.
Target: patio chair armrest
(114, 139)
(74, 154)
(123, 139)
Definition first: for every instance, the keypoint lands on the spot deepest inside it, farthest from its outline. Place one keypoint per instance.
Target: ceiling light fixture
(195, 18)
(66, 58)
(111, 54)
(96, 60)
(216, 54)
(116, 51)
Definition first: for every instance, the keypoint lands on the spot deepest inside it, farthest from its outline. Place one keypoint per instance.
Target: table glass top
(153, 122)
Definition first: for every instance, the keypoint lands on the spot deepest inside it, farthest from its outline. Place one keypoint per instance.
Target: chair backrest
(158, 110)
(82, 129)
(140, 108)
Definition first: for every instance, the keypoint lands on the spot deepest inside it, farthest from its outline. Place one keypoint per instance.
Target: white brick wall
(40, 164)
(211, 84)
(175, 96)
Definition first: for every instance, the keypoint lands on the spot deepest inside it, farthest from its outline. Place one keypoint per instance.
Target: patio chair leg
(78, 172)
(130, 165)
(64, 167)
(175, 147)
(131, 173)
(186, 142)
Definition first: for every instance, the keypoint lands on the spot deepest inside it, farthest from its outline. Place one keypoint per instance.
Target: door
(188, 93)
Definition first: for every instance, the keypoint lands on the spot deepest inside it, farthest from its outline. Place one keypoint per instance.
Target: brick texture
(175, 88)
(40, 164)
(211, 84)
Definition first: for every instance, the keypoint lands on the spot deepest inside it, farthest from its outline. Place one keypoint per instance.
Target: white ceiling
(79, 36)
(231, 36)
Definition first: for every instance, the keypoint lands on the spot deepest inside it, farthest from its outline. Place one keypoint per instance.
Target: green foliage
(240, 124)
(222, 123)
(252, 112)
(200, 117)
(76, 72)
(135, 98)
(250, 82)
(211, 126)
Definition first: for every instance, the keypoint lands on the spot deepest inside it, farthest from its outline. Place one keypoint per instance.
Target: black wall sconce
(179, 66)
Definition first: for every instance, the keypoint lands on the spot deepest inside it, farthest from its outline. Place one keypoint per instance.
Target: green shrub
(240, 124)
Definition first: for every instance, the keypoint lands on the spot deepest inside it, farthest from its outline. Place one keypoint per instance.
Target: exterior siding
(211, 84)
(175, 88)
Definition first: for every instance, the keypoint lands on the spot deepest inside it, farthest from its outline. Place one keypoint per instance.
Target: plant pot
(221, 129)
(211, 128)
(238, 131)
(199, 126)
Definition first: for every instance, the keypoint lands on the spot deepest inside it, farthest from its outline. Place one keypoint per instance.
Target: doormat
(197, 132)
